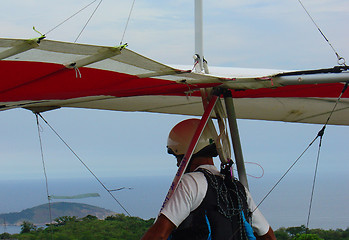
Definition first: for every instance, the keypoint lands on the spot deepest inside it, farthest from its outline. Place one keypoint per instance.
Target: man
(206, 204)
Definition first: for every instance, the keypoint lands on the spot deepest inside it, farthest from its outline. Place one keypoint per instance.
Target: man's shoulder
(193, 177)
(210, 168)
(198, 174)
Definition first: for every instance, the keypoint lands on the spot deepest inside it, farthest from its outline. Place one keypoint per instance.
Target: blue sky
(272, 34)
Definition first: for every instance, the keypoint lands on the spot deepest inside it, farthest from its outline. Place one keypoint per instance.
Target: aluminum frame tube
(199, 49)
(235, 137)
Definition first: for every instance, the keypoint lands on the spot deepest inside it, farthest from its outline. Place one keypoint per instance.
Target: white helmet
(182, 134)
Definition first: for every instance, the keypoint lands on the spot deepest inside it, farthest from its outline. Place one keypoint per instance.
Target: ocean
(17, 195)
(10, 229)
(286, 206)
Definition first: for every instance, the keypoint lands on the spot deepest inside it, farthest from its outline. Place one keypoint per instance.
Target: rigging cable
(294, 163)
(70, 17)
(338, 99)
(340, 60)
(93, 13)
(128, 19)
(44, 168)
(320, 134)
(71, 150)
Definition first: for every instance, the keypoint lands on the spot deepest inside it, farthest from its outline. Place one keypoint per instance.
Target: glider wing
(51, 74)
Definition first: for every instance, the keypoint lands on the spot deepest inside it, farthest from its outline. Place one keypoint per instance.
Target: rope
(93, 13)
(44, 168)
(128, 19)
(262, 174)
(340, 60)
(100, 182)
(70, 17)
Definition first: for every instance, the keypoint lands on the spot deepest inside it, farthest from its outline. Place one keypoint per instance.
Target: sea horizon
(287, 206)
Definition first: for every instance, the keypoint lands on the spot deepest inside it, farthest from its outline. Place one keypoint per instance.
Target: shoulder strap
(231, 194)
(231, 201)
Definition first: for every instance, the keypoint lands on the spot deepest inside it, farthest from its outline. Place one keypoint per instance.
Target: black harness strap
(219, 214)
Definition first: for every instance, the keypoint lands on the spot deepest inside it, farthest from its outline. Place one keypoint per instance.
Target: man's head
(181, 136)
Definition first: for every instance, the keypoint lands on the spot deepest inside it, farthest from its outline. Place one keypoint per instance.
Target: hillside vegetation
(302, 233)
(121, 227)
(90, 227)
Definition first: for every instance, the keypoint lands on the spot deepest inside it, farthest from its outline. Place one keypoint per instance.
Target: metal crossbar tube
(312, 79)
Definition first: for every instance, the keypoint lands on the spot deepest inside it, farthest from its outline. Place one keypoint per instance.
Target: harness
(220, 216)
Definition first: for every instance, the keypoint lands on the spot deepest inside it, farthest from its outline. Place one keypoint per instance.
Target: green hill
(39, 215)
(116, 227)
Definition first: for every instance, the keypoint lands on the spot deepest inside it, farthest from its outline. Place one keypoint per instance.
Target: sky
(252, 34)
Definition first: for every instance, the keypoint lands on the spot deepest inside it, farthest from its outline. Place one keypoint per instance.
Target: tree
(116, 217)
(345, 233)
(5, 236)
(64, 220)
(89, 217)
(307, 237)
(282, 234)
(293, 231)
(27, 227)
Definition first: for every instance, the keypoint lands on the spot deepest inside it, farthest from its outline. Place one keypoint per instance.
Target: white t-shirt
(191, 191)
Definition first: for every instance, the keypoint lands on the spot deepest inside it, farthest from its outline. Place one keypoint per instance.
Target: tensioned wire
(313, 187)
(340, 60)
(93, 13)
(320, 134)
(64, 21)
(318, 154)
(82, 162)
(128, 19)
(45, 174)
(70, 17)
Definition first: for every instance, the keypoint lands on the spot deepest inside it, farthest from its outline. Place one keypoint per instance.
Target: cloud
(268, 34)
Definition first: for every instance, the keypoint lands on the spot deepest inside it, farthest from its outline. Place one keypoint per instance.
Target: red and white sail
(52, 74)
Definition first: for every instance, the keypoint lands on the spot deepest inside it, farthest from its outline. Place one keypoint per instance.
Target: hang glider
(79, 196)
(42, 74)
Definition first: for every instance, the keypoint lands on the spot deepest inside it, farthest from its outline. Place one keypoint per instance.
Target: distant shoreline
(286, 206)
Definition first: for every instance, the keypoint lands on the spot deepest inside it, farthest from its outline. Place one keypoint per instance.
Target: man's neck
(198, 161)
